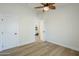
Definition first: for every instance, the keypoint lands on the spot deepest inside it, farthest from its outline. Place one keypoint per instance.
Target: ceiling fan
(46, 6)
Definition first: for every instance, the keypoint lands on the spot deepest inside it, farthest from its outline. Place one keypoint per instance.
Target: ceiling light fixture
(46, 8)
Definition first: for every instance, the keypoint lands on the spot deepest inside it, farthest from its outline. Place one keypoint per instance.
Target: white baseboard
(64, 45)
(17, 46)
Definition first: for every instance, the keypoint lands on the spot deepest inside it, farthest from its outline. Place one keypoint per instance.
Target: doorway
(39, 31)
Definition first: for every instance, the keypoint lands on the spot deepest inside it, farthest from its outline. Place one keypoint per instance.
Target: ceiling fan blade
(39, 7)
(51, 3)
(52, 7)
(44, 3)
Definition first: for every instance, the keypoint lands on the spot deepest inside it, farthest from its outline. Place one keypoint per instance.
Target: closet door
(11, 31)
(1, 33)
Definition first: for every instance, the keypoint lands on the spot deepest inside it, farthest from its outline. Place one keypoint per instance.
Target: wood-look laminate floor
(40, 49)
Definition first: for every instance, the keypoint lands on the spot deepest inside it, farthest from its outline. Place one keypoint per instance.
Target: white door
(1, 32)
(42, 30)
(11, 32)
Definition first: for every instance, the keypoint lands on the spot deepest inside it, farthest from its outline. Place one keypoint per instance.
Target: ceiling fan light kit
(46, 8)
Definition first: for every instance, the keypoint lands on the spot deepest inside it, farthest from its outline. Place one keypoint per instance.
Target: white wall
(26, 20)
(62, 25)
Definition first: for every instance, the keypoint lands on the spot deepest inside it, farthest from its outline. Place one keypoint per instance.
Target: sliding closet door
(11, 31)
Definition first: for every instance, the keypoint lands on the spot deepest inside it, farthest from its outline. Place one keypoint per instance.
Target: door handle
(2, 19)
(2, 32)
(15, 33)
